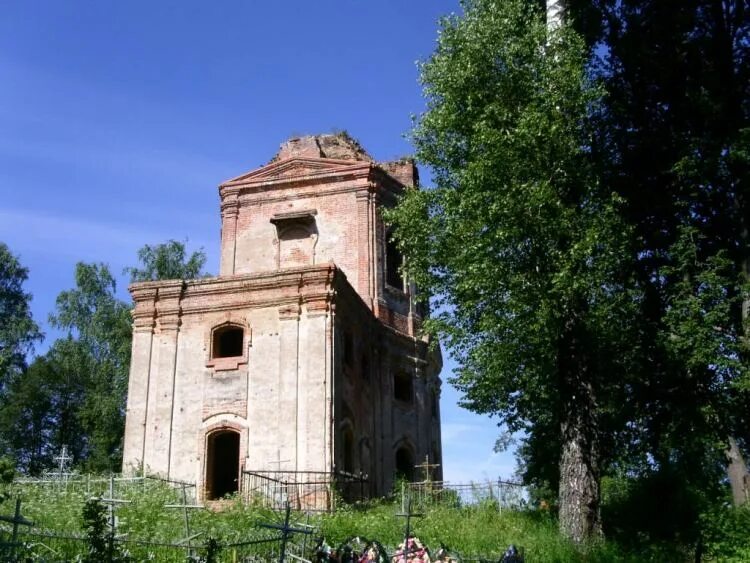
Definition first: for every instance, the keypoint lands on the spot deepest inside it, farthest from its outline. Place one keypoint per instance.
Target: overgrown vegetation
(473, 530)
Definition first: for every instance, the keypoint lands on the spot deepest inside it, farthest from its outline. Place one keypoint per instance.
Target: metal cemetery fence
(95, 485)
(506, 494)
(303, 490)
(189, 538)
(23, 540)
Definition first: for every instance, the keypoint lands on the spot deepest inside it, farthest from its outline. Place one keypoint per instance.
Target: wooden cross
(186, 508)
(16, 520)
(427, 467)
(286, 532)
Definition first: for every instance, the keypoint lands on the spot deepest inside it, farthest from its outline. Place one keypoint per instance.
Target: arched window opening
(404, 464)
(403, 388)
(222, 464)
(228, 342)
(393, 262)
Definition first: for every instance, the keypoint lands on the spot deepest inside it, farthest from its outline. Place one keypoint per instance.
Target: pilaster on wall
(138, 383)
(313, 377)
(365, 265)
(229, 213)
(289, 392)
(164, 368)
(377, 245)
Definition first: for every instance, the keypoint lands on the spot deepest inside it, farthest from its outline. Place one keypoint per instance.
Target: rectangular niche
(296, 236)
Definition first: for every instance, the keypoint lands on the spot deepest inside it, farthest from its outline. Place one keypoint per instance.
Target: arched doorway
(404, 463)
(222, 464)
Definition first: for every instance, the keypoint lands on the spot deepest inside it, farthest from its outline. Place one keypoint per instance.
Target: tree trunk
(579, 495)
(737, 473)
(724, 47)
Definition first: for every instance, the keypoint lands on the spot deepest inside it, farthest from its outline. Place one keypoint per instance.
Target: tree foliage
(520, 243)
(167, 261)
(18, 331)
(75, 394)
(587, 246)
(94, 358)
(672, 138)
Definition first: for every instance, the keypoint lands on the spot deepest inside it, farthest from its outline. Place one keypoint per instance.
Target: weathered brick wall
(302, 261)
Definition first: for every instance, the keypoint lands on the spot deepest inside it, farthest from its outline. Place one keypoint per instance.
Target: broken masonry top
(340, 146)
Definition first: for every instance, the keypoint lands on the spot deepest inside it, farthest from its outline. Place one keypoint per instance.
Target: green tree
(44, 405)
(96, 355)
(18, 331)
(167, 261)
(519, 242)
(672, 138)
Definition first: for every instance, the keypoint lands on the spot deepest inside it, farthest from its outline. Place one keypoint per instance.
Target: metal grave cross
(16, 520)
(111, 501)
(286, 532)
(63, 461)
(408, 514)
(186, 513)
(281, 489)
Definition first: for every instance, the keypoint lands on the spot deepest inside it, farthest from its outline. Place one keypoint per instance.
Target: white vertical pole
(555, 14)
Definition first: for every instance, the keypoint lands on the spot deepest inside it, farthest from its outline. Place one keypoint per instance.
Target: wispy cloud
(77, 239)
(453, 432)
(479, 468)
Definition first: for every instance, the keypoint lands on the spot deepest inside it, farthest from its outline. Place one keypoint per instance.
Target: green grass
(476, 531)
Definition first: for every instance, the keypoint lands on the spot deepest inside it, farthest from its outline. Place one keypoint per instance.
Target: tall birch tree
(519, 242)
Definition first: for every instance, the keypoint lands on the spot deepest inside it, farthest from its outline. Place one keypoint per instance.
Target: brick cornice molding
(144, 310)
(289, 312)
(230, 207)
(319, 304)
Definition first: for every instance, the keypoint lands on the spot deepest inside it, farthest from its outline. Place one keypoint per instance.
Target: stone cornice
(283, 288)
(248, 199)
(349, 171)
(316, 288)
(364, 175)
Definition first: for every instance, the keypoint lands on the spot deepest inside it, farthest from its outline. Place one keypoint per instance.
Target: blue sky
(118, 120)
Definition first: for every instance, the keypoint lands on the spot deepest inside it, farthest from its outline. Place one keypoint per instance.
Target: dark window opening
(393, 262)
(222, 464)
(403, 389)
(404, 464)
(348, 452)
(228, 342)
(434, 404)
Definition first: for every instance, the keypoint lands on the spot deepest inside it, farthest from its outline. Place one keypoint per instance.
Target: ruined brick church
(304, 353)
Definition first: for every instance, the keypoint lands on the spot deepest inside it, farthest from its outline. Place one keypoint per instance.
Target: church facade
(304, 353)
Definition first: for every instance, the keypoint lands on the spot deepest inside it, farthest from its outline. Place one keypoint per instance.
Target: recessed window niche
(228, 347)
